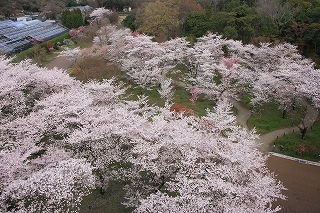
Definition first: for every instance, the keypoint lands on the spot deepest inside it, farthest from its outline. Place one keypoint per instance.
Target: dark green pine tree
(72, 19)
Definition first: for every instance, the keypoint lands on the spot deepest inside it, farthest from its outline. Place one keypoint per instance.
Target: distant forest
(251, 21)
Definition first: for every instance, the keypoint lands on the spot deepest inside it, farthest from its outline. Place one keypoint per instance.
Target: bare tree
(281, 12)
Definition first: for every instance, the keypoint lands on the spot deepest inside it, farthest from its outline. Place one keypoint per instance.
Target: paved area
(302, 182)
(300, 177)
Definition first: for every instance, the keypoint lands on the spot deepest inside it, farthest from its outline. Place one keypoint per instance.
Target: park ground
(301, 180)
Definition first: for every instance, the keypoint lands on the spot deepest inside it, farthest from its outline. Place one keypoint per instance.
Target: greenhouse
(18, 36)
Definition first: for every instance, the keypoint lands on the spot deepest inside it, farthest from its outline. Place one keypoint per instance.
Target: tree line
(252, 21)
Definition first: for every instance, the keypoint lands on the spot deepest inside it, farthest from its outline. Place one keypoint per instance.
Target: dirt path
(60, 63)
(243, 113)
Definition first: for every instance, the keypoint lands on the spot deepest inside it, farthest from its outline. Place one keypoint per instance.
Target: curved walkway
(243, 113)
(266, 140)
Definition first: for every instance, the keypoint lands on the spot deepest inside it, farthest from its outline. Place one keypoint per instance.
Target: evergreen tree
(129, 22)
(72, 19)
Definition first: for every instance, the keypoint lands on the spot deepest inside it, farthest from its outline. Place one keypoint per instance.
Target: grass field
(181, 96)
(268, 118)
(48, 57)
(293, 145)
(109, 202)
(178, 72)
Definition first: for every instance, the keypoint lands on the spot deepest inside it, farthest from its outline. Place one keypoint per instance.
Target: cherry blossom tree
(38, 173)
(207, 161)
(166, 90)
(99, 13)
(212, 159)
(55, 188)
(76, 33)
(110, 41)
(141, 60)
(219, 67)
(22, 89)
(77, 136)
(71, 54)
(108, 44)
(100, 16)
(280, 73)
(311, 88)
(147, 61)
(214, 68)
(51, 123)
(194, 94)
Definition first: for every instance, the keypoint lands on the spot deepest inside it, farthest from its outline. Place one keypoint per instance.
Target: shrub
(178, 108)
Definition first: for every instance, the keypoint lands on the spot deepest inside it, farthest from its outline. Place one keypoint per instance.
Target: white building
(24, 18)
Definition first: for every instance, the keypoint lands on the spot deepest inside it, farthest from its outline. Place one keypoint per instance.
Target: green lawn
(48, 58)
(153, 95)
(177, 72)
(268, 118)
(181, 96)
(293, 145)
(245, 99)
(109, 202)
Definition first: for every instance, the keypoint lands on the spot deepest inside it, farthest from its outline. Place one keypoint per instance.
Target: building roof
(18, 36)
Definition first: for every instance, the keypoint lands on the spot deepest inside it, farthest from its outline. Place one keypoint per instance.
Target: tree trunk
(294, 105)
(102, 191)
(162, 178)
(303, 132)
(284, 112)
